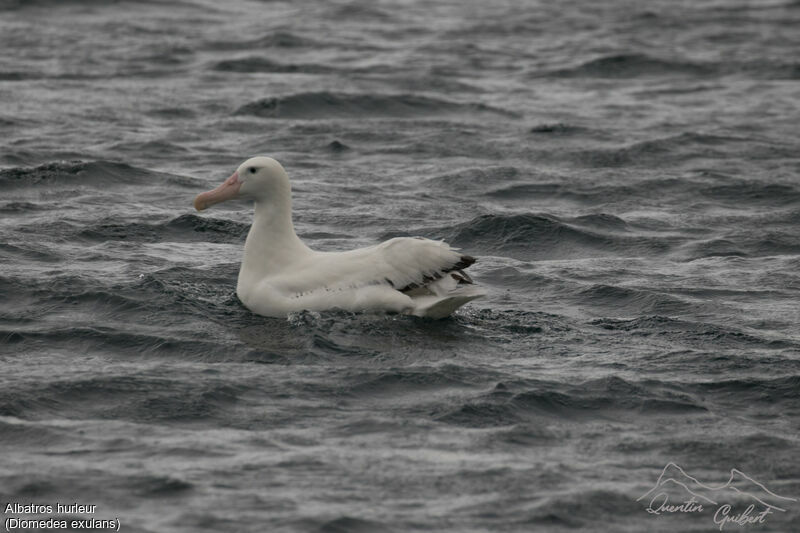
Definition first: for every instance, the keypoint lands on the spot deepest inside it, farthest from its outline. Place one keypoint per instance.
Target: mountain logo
(741, 500)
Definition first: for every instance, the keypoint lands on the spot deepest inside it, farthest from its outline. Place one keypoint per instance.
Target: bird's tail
(445, 295)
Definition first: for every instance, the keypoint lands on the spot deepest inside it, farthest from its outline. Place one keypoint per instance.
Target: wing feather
(402, 263)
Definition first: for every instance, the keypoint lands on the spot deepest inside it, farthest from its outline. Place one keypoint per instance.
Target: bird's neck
(272, 244)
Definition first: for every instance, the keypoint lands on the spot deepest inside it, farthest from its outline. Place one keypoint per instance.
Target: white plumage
(280, 274)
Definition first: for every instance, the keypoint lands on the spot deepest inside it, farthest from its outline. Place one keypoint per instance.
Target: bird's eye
(252, 170)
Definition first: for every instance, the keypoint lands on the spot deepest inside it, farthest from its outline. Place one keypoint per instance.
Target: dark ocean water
(626, 172)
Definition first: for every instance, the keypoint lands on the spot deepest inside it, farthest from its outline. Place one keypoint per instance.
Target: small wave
(19, 76)
(754, 193)
(600, 220)
(193, 224)
(634, 65)
(340, 105)
(698, 334)
(399, 382)
(558, 129)
(429, 82)
(515, 322)
(508, 277)
(593, 195)
(158, 486)
(8, 122)
(110, 339)
(532, 236)
(262, 64)
(756, 242)
(21, 207)
(713, 248)
(680, 148)
(158, 148)
(137, 398)
(609, 397)
(771, 243)
(753, 390)
(526, 435)
(677, 90)
(275, 39)
(33, 251)
(285, 39)
(19, 4)
(526, 235)
(21, 433)
(172, 113)
(100, 173)
(630, 301)
(74, 290)
(473, 178)
(343, 524)
(781, 71)
(361, 12)
(532, 190)
(581, 510)
(186, 227)
(337, 147)
(481, 415)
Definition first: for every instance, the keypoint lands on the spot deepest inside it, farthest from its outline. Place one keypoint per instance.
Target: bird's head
(260, 179)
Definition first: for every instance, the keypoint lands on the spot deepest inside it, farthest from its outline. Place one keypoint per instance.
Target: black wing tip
(461, 277)
(466, 261)
(463, 262)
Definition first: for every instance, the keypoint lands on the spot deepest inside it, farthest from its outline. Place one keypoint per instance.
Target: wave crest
(339, 105)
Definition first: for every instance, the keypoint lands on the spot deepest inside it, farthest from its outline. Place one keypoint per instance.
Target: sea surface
(627, 174)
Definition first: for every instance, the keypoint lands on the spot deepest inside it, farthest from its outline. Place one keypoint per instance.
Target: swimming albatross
(280, 274)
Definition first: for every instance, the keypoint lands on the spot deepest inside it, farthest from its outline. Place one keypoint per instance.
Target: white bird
(280, 274)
